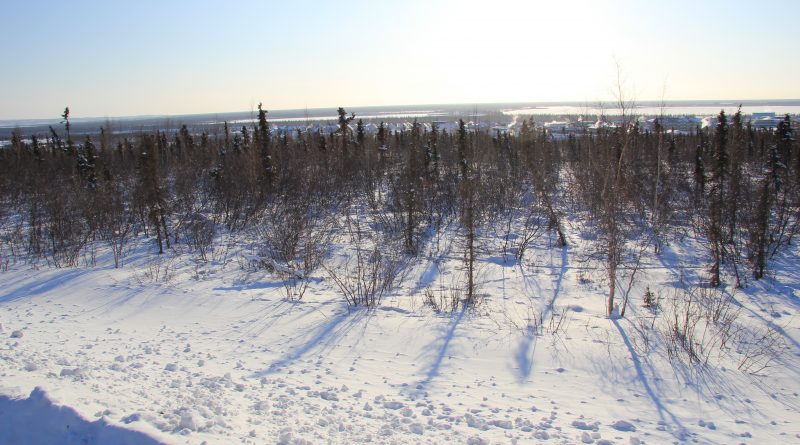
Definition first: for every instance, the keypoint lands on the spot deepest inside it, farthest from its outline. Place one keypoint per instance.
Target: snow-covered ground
(208, 352)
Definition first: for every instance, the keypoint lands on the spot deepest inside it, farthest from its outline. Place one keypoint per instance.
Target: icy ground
(208, 352)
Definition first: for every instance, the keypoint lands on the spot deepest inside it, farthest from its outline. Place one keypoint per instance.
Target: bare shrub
(683, 320)
(367, 278)
(201, 231)
(295, 243)
(521, 228)
(534, 322)
(119, 232)
(758, 348)
(158, 270)
(703, 328)
(443, 300)
(533, 226)
(559, 320)
(368, 274)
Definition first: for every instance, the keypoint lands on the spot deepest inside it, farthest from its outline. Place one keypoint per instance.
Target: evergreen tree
(382, 136)
(37, 154)
(433, 145)
(264, 138)
(699, 171)
(786, 143)
(344, 131)
(186, 138)
(55, 140)
(736, 123)
(67, 125)
(771, 185)
(717, 197)
(245, 138)
(758, 236)
(86, 163)
(237, 143)
(462, 149)
(151, 192)
(16, 142)
(360, 132)
(721, 155)
(467, 191)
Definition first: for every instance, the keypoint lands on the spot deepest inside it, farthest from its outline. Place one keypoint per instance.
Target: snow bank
(37, 420)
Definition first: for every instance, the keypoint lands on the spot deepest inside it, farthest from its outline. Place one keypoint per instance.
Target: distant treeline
(736, 188)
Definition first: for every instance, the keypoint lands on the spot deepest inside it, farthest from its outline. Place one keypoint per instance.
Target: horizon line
(610, 104)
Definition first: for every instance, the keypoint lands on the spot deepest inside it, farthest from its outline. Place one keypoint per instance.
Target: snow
(36, 420)
(222, 357)
(622, 425)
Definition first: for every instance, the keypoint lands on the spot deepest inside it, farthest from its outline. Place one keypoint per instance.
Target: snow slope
(37, 420)
(214, 354)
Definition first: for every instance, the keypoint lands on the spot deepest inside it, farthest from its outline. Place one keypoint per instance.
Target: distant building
(762, 114)
(370, 128)
(447, 127)
(602, 123)
(501, 129)
(765, 120)
(683, 124)
(558, 126)
(709, 122)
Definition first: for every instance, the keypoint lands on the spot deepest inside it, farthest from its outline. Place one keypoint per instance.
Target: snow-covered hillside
(174, 350)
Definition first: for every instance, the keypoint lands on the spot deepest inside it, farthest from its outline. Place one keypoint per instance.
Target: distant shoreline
(490, 112)
(374, 112)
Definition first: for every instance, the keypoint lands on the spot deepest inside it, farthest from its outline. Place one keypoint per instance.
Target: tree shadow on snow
(258, 285)
(264, 317)
(527, 346)
(441, 347)
(664, 414)
(327, 333)
(684, 276)
(31, 287)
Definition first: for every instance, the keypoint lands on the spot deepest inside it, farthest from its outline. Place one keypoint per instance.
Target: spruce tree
(152, 193)
(67, 125)
(186, 138)
(433, 145)
(717, 196)
(37, 154)
(467, 191)
(86, 163)
(699, 172)
(382, 136)
(786, 143)
(360, 133)
(344, 131)
(264, 138)
(245, 137)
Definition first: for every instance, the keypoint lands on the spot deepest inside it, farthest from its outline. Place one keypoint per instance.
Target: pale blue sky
(107, 58)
